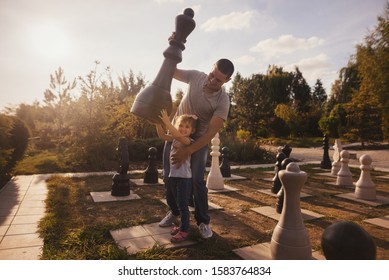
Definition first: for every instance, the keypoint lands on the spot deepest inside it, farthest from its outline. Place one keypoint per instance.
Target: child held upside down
(179, 182)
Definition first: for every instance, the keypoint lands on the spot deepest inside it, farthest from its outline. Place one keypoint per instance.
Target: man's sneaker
(168, 220)
(205, 231)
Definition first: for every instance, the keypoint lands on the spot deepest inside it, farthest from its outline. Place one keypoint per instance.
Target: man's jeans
(200, 191)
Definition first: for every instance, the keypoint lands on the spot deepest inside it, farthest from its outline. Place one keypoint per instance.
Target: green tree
(278, 83)
(363, 118)
(131, 85)
(251, 104)
(319, 93)
(90, 140)
(57, 100)
(290, 116)
(373, 67)
(301, 92)
(5, 142)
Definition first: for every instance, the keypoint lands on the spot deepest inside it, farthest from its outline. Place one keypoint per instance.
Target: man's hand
(180, 156)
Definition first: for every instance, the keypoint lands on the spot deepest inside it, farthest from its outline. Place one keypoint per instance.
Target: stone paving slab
(20, 241)
(381, 221)
(26, 219)
(3, 230)
(27, 253)
(340, 186)
(234, 177)
(21, 208)
(269, 180)
(10, 211)
(261, 251)
(327, 174)
(271, 212)
(140, 182)
(268, 192)
(211, 205)
(226, 188)
(139, 238)
(380, 200)
(107, 197)
(22, 229)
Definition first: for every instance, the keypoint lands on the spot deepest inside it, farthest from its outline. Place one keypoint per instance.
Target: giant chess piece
(121, 180)
(215, 180)
(290, 240)
(344, 176)
(336, 157)
(150, 101)
(326, 162)
(225, 167)
(277, 167)
(151, 172)
(345, 240)
(281, 193)
(286, 149)
(364, 187)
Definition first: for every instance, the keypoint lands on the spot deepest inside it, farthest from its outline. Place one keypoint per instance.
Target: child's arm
(174, 132)
(161, 133)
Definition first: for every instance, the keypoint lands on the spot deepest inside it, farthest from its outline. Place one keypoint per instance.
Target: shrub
(247, 151)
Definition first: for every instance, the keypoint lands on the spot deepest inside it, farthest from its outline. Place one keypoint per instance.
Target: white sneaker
(168, 220)
(205, 231)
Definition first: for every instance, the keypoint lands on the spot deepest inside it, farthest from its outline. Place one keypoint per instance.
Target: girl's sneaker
(174, 230)
(179, 237)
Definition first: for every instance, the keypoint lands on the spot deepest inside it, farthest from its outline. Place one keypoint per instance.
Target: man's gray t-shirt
(203, 105)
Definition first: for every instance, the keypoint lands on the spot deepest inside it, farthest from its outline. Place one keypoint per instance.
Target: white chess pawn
(336, 157)
(290, 240)
(215, 180)
(344, 176)
(364, 187)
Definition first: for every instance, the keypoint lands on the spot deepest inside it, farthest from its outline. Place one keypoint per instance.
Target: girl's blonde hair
(191, 119)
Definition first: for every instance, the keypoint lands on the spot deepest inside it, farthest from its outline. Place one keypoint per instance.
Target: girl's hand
(164, 116)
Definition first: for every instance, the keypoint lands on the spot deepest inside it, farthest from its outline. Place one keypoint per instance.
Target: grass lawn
(75, 227)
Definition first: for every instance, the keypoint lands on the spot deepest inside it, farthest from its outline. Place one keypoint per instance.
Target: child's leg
(171, 195)
(184, 187)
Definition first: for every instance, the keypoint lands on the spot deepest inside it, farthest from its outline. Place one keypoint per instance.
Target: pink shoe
(179, 237)
(174, 230)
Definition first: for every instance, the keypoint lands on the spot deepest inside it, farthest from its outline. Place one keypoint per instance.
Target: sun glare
(49, 40)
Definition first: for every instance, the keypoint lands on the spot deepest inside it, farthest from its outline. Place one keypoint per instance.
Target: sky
(39, 36)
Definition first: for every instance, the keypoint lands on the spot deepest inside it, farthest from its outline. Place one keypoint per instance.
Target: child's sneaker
(174, 230)
(179, 237)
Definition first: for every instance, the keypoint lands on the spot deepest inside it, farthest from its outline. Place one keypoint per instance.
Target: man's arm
(183, 153)
(178, 74)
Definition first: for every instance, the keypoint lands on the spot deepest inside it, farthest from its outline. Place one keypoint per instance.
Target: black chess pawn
(151, 172)
(280, 194)
(225, 167)
(326, 162)
(276, 180)
(121, 180)
(345, 240)
(287, 150)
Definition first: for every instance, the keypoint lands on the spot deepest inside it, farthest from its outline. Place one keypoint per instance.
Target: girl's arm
(161, 133)
(174, 132)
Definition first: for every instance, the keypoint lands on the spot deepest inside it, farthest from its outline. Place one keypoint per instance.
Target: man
(207, 100)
